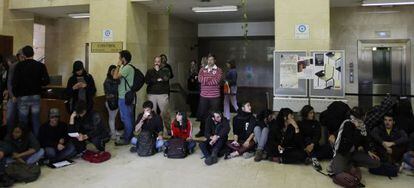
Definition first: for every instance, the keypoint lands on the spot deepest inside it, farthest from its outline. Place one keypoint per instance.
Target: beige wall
(182, 36)
(315, 13)
(158, 36)
(348, 25)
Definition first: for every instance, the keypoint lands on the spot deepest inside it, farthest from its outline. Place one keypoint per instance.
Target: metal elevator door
(382, 69)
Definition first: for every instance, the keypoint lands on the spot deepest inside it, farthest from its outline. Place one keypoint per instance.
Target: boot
(258, 156)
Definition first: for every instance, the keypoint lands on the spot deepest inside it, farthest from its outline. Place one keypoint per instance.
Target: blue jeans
(158, 143)
(28, 104)
(54, 155)
(408, 158)
(32, 159)
(11, 114)
(126, 118)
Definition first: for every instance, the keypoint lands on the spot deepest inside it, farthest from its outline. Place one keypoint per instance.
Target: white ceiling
(257, 10)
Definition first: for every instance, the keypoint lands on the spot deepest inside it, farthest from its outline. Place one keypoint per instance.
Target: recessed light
(215, 9)
(79, 15)
(368, 4)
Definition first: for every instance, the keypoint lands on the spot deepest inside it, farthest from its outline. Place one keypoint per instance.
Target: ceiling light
(370, 4)
(215, 9)
(79, 15)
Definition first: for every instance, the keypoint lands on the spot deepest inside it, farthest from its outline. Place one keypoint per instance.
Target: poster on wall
(328, 73)
(289, 71)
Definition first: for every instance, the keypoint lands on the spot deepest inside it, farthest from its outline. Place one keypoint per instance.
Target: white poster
(288, 71)
(327, 70)
(305, 68)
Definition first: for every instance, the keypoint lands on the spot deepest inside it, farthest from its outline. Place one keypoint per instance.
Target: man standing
(125, 73)
(209, 78)
(158, 89)
(28, 79)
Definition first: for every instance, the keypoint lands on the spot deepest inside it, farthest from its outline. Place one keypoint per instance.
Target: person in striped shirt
(210, 78)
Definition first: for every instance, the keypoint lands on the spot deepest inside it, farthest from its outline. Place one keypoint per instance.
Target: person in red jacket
(181, 127)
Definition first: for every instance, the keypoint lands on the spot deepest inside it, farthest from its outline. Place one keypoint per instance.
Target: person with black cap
(54, 139)
(81, 86)
(28, 79)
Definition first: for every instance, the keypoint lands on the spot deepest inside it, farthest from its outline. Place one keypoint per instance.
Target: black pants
(292, 156)
(396, 155)
(2, 165)
(192, 100)
(98, 142)
(206, 106)
(344, 162)
(322, 152)
(219, 148)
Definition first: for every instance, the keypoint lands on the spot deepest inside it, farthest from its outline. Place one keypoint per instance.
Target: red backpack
(96, 157)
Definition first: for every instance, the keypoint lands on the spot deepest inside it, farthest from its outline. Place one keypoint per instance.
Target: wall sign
(302, 31)
(107, 35)
(106, 47)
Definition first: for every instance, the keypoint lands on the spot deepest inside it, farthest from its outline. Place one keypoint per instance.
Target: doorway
(383, 68)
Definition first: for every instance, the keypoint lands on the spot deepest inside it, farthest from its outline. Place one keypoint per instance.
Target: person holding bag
(111, 103)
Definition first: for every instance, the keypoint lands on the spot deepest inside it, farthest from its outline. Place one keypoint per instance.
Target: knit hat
(77, 66)
(54, 112)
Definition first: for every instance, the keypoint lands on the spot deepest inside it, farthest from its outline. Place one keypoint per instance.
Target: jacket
(74, 94)
(91, 124)
(158, 87)
(243, 125)
(311, 131)
(221, 129)
(398, 136)
(111, 88)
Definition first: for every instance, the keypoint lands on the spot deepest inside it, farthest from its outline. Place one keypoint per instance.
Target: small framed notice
(106, 47)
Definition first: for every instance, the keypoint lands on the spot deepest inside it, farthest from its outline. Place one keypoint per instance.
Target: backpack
(22, 172)
(385, 169)
(138, 82)
(176, 149)
(96, 157)
(146, 144)
(347, 180)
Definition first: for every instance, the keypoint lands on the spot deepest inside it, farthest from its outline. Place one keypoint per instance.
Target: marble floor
(125, 170)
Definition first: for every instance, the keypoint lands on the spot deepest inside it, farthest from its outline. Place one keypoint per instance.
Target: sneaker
(308, 161)
(133, 149)
(258, 156)
(316, 165)
(248, 155)
(121, 143)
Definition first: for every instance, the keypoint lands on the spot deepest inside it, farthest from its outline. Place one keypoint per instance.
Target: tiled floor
(128, 170)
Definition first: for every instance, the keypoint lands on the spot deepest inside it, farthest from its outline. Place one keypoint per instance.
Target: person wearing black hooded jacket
(243, 126)
(80, 86)
(285, 140)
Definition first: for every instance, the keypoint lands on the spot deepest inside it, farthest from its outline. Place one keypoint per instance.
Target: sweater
(210, 82)
(90, 89)
(221, 129)
(243, 125)
(158, 87)
(311, 131)
(28, 78)
(181, 133)
(153, 125)
(21, 145)
(231, 77)
(398, 136)
(49, 136)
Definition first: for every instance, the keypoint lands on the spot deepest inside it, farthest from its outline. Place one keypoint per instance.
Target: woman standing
(81, 86)
(230, 88)
(111, 94)
(193, 88)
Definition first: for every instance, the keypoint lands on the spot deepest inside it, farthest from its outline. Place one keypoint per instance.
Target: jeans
(409, 159)
(111, 119)
(32, 159)
(11, 114)
(217, 148)
(158, 143)
(230, 98)
(260, 136)
(127, 118)
(28, 104)
(54, 155)
(162, 101)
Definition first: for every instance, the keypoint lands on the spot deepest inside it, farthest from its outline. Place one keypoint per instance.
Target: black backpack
(146, 144)
(22, 172)
(176, 149)
(386, 169)
(138, 82)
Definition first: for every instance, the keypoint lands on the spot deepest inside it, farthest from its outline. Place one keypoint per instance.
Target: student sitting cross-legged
(148, 123)
(24, 146)
(53, 137)
(265, 120)
(243, 125)
(89, 126)
(285, 140)
(181, 127)
(216, 131)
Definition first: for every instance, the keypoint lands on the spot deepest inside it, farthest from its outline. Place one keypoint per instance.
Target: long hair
(184, 119)
(405, 109)
(108, 74)
(283, 113)
(305, 111)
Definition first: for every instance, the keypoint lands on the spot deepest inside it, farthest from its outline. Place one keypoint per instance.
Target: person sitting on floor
(243, 126)
(5, 151)
(89, 126)
(53, 137)
(390, 141)
(181, 127)
(311, 134)
(352, 147)
(261, 132)
(25, 147)
(408, 158)
(216, 131)
(149, 121)
(285, 141)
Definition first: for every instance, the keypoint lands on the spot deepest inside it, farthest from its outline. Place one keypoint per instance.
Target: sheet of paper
(73, 134)
(61, 164)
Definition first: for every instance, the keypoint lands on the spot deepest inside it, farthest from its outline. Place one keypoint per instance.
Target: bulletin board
(288, 76)
(328, 74)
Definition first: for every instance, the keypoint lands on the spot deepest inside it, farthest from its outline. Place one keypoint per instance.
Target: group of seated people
(275, 136)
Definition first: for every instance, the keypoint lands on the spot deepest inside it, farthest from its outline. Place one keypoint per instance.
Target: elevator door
(382, 70)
